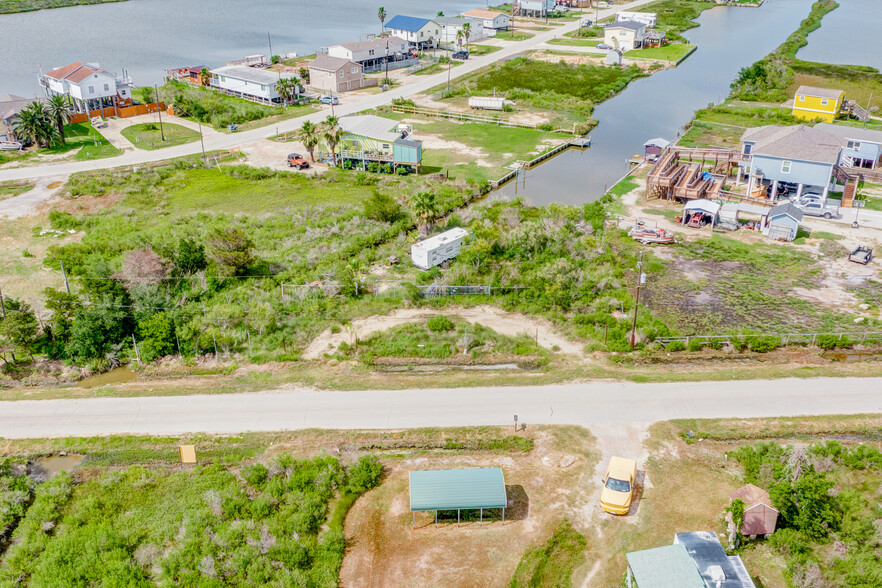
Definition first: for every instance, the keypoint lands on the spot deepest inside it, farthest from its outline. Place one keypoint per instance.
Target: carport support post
(482, 515)
(412, 519)
(457, 516)
(503, 514)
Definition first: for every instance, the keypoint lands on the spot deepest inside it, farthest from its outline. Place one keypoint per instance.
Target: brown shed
(760, 518)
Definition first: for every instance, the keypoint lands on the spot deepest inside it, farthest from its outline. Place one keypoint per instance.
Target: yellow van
(619, 486)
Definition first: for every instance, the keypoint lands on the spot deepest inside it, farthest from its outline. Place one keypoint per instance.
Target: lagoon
(848, 36)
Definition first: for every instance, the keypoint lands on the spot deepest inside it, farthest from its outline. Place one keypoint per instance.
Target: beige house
(625, 35)
(335, 74)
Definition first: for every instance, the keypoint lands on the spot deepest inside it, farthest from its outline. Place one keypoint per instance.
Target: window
(223, 78)
(854, 144)
(342, 73)
(785, 167)
(355, 70)
(747, 148)
(370, 51)
(421, 34)
(106, 88)
(824, 101)
(91, 89)
(802, 98)
(385, 145)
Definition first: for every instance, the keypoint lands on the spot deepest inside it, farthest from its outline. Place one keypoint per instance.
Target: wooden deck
(678, 173)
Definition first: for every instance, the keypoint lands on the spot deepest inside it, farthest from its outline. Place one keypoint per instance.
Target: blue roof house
(420, 33)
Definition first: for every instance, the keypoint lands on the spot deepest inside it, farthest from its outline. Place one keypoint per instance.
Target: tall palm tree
(58, 109)
(304, 75)
(466, 32)
(205, 74)
(381, 14)
(333, 135)
(309, 136)
(425, 205)
(287, 88)
(34, 125)
(459, 38)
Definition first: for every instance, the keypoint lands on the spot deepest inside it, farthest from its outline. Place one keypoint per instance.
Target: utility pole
(159, 112)
(64, 273)
(387, 63)
(641, 277)
(270, 41)
(204, 159)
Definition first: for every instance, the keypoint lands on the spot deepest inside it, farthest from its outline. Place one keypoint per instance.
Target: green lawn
(14, 188)
(436, 68)
(676, 16)
(575, 42)
(82, 136)
(670, 52)
(149, 136)
(513, 36)
(478, 50)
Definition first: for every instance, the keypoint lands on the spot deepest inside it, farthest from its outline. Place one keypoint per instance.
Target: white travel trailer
(488, 102)
(438, 249)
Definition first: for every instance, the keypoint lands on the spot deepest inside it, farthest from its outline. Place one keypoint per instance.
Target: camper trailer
(438, 249)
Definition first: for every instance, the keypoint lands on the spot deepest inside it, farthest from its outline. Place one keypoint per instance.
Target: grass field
(89, 143)
(575, 42)
(478, 49)
(149, 136)
(670, 52)
(437, 68)
(676, 16)
(515, 35)
(14, 188)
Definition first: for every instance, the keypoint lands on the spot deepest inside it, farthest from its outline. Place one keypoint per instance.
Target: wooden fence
(461, 116)
(126, 112)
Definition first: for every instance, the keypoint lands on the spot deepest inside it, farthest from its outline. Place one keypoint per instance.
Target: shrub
(439, 324)
(694, 345)
(255, 475)
(383, 208)
(676, 346)
(829, 342)
(764, 344)
(365, 474)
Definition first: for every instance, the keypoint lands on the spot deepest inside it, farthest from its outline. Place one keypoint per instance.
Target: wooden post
(66, 283)
(2, 304)
(135, 343)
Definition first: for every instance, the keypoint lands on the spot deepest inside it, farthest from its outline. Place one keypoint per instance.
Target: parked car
(329, 100)
(603, 46)
(297, 161)
(587, 23)
(461, 55)
(828, 211)
(619, 486)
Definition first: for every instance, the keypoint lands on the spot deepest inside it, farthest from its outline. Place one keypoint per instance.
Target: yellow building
(811, 103)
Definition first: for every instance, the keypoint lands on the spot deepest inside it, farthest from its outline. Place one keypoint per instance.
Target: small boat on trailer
(648, 235)
(10, 146)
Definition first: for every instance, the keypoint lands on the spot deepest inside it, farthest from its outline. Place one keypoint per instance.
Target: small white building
(420, 33)
(88, 86)
(438, 249)
(452, 25)
(258, 85)
(646, 18)
(625, 35)
(534, 7)
(614, 57)
(493, 21)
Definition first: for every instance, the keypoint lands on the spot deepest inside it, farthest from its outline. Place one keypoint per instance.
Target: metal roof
(408, 143)
(433, 242)
(657, 142)
(818, 92)
(369, 125)
(708, 206)
(457, 489)
(664, 567)
(252, 74)
(328, 63)
(454, 20)
(374, 43)
(481, 13)
(853, 133)
(717, 568)
(411, 24)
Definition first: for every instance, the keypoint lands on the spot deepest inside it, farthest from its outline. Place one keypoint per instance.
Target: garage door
(780, 232)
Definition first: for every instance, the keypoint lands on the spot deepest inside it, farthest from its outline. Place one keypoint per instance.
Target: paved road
(583, 404)
(347, 106)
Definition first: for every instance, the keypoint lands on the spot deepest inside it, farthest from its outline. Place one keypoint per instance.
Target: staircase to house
(857, 111)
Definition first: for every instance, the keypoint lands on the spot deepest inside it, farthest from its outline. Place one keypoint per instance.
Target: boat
(862, 255)
(10, 146)
(647, 235)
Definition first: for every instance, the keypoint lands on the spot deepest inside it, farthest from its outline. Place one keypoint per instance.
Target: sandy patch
(436, 142)
(506, 323)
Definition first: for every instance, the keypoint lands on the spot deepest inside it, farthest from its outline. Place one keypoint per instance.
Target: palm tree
(34, 125)
(58, 109)
(309, 136)
(466, 32)
(425, 206)
(304, 74)
(459, 38)
(381, 14)
(287, 88)
(205, 74)
(333, 135)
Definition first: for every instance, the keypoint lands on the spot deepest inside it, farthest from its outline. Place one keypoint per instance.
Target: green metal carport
(468, 489)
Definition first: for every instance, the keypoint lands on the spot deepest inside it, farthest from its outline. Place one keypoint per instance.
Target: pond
(49, 467)
(728, 39)
(118, 375)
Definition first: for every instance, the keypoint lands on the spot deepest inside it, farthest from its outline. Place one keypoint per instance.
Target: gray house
(799, 155)
(863, 148)
(782, 222)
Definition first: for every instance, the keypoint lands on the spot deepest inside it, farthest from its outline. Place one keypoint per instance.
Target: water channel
(659, 106)
(148, 36)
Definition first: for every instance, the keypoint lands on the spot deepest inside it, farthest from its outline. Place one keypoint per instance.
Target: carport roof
(664, 567)
(457, 489)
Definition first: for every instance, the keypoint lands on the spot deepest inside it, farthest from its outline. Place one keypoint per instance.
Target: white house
(372, 53)
(647, 18)
(258, 85)
(418, 32)
(88, 86)
(452, 25)
(534, 7)
(10, 106)
(493, 21)
(625, 35)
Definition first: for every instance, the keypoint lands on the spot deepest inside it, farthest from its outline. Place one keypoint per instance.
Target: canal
(848, 35)
(728, 39)
(148, 36)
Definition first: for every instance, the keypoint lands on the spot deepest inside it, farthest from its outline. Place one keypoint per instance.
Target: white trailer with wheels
(438, 249)
(488, 102)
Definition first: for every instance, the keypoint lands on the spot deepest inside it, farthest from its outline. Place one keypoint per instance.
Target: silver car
(823, 209)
